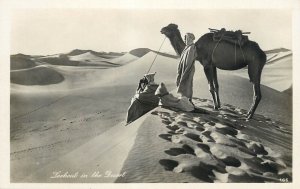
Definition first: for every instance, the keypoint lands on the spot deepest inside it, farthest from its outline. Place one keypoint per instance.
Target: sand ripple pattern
(220, 146)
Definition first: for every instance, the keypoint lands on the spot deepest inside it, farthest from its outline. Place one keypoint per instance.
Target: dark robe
(142, 103)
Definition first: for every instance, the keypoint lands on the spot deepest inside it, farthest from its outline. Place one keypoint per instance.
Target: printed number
(284, 180)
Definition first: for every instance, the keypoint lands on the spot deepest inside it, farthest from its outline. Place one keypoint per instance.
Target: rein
(156, 55)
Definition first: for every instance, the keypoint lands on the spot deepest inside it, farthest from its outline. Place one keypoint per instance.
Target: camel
(226, 56)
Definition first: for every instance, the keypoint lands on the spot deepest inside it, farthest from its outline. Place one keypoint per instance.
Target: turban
(150, 76)
(161, 90)
(190, 35)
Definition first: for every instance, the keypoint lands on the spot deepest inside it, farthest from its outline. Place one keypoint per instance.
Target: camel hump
(235, 37)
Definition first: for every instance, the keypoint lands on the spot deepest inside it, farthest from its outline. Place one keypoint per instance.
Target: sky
(51, 31)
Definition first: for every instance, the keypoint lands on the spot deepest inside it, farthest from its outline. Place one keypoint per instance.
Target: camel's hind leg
(208, 70)
(256, 100)
(254, 71)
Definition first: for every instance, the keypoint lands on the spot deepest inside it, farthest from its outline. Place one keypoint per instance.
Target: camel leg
(216, 85)
(209, 75)
(256, 99)
(254, 72)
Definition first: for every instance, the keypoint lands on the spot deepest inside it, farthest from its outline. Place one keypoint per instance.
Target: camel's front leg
(209, 75)
(256, 100)
(216, 85)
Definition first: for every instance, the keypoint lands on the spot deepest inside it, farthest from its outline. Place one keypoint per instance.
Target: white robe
(185, 71)
(169, 100)
(180, 103)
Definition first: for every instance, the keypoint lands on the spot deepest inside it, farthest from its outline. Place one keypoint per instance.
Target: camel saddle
(234, 37)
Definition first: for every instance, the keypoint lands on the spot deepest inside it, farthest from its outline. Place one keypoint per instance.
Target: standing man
(186, 68)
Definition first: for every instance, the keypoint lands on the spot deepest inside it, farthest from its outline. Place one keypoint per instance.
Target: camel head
(170, 30)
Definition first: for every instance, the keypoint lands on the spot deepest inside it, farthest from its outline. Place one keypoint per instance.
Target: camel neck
(177, 43)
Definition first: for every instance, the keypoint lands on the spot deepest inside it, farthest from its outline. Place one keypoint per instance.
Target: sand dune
(74, 77)
(73, 111)
(219, 147)
(168, 146)
(131, 73)
(83, 64)
(88, 56)
(139, 52)
(277, 50)
(86, 59)
(79, 57)
(20, 61)
(50, 56)
(105, 160)
(46, 126)
(38, 75)
(124, 59)
(60, 60)
(99, 54)
(110, 56)
(77, 125)
(278, 56)
(77, 52)
(289, 90)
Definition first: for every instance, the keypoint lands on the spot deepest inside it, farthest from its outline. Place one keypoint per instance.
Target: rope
(212, 54)
(242, 52)
(235, 53)
(156, 55)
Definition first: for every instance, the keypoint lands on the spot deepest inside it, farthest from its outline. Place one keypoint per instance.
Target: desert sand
(218, 147)
(76, 124)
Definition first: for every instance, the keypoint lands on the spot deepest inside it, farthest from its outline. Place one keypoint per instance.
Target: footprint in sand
(257, 148)
(176, 151)
(214, 149)
(166, 137)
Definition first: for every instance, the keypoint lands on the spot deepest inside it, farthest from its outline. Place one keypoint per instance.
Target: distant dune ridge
(100, 54)
(39, 75)
(59, 60)
(84, 59)
(79, 57)
(133, 71)
(139, 52)
(124, 59)
(21, 61)
(68, 112)
(87, 59)
(277, 50)
(279, 58)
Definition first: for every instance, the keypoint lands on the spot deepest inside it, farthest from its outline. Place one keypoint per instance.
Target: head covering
(150, 77)
(190, 35)
(161, 90)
